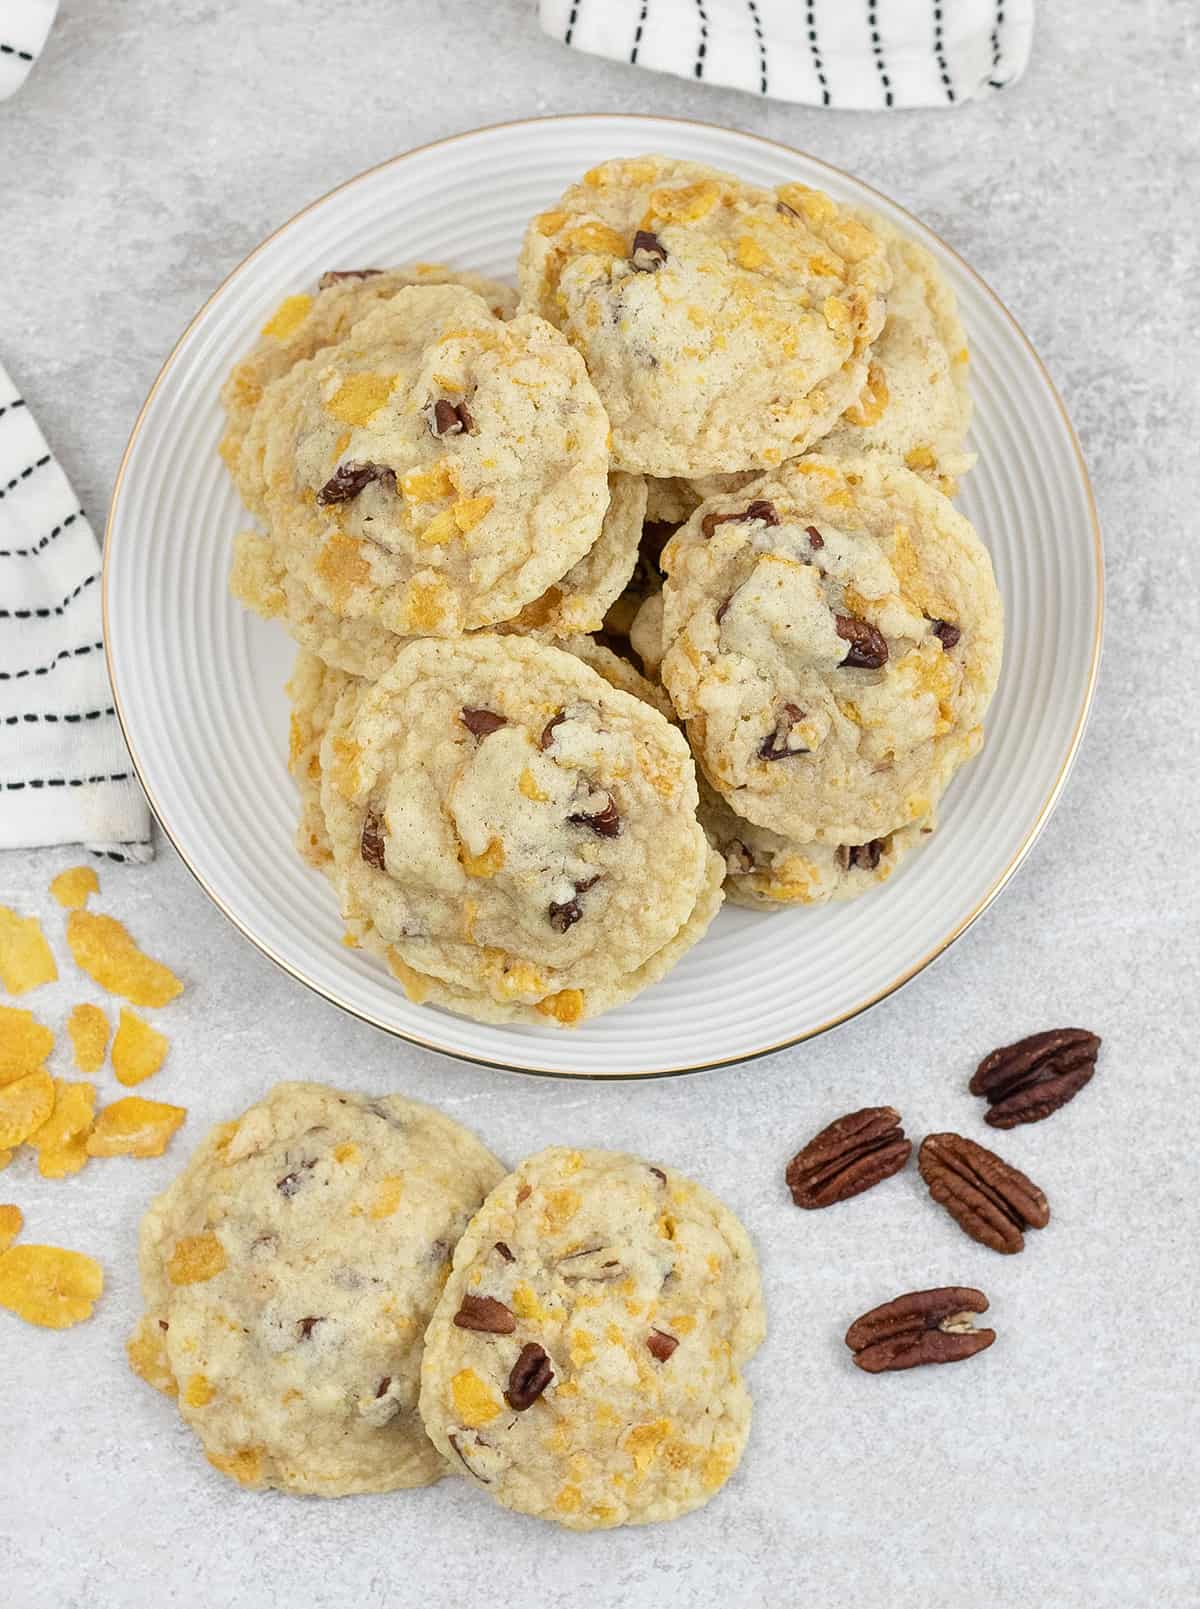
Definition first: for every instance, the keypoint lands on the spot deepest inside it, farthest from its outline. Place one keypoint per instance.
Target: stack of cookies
(640, 591)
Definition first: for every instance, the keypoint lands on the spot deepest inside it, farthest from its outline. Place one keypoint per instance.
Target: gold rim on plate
(911, 972)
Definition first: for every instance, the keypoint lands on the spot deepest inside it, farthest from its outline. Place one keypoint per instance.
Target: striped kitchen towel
(24, 25)
(65, 776)
(858, 54)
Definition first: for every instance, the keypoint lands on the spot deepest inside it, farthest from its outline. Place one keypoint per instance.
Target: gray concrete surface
(153, 146)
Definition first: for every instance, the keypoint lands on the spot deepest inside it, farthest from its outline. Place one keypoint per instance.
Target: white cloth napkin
(24, 25)
(842, 53)
(65, 775)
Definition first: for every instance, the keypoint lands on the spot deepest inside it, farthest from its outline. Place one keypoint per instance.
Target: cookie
(766, 872)
(437, 469)
(726, 327)
(646, 634)
(288, 1275)
(313, 690)
(302, 325)
(833, 638)
(514, 834)
(916, 405)
(584, 1362)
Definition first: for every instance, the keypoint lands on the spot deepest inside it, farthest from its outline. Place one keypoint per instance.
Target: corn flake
(25, 959)
(72, 887)
(146, 1350)
(24, 1107)
(195, 1259)
(134, 1127)
(61, 1142)
(138, 1050)
(49, 1286)
(24, 1043)
(88, 1027)
(12, 1220)
(103, 948)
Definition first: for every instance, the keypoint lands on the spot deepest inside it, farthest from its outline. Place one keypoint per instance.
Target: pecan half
(649, 253)
(372, 845)
(348, 480)
(505, 1251)
(661, 1344)
(605, 822)
(485, 1313)
(454, 1442)
(547, 737)
(946, 633)
(335, 276)
(775, 745)
(988, 1198)
(923, 1327)
(1025, 1082)
(868, 646)
(857, 1151)
(481, 723)
(760, 509)
(529, 1377)
(445, 418)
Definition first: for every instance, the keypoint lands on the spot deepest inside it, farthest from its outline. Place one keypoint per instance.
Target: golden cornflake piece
(12, 1220)
(195, 1259)
(245, 1465)
(61, 1142)
(24, 1043)
(49, 1286)
(104, 950)
(138, 1050)
(134, 1127)
(25, 959)
(146, 1350)
(24, 1107)
(72, 887)
(88, 1028)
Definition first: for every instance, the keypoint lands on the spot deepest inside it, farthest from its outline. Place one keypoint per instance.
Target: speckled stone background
(152, 148)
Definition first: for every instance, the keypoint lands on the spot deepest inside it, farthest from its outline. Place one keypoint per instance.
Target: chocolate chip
(372, 845)
(547, 736)
(530, 1376)
(566, 915)
(453, 1440)
(307, 1325)
(349, 479)
(163, 1324)
(605, 823)
(524, 1193)
(291, 1182)
(760, 509)
(504, 1251)
(946, 633)
(446, 418)
(659, 1174)
(868, 647)
(381, 1388)
(661, 1344)
(485, 1313)
(863, 856)
(775, 746)
(815, 539)
(335, 276)
(724, 609)
(481, 723)
(649, 253)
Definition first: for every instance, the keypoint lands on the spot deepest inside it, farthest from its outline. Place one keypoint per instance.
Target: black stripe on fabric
(756, 20)
(53, 720)
(29, 553)
(45, 670)
(995, 81)
(38, 463)
(637, 33)
(571, 21)
(9, 407)
(810, 18)
(877, 52)
(11, 50)
(702, 47)
(58, 609)
(939, 51)
(35, 783)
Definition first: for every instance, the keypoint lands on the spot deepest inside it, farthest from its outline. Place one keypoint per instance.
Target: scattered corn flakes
(24, 1043)
(24, 1107)
(146, 1350)
(103, 948)
(88, 1028)
(61, 1142)
(134, 1127)
(195, 1259)
(11, 1221)
(25, 959)
(138, 1050)
(49, 1286)
(72, 887)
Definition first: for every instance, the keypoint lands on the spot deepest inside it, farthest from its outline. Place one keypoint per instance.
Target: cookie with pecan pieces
(725, 326)
(288, 1275)
(833, 638)
(584, 1362)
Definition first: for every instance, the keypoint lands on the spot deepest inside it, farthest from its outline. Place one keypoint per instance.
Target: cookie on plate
(288, 1275)
(833, 637)
(305, 323)
(313, 689)
(515, 835)
(437, 469)
(726, 327)
(584, 1361)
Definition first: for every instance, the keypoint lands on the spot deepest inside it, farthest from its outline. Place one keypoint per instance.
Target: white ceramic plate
(198, 681)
